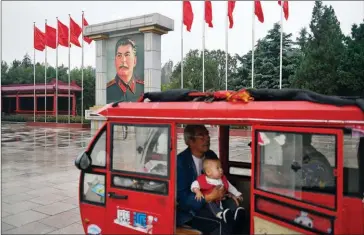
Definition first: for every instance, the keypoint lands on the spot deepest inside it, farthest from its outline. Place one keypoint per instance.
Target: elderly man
(125, 86)
(189, 166)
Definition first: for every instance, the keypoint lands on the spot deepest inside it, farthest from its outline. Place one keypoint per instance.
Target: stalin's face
(125, 61)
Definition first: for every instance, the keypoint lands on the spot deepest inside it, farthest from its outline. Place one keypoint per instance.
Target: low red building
(19, 98)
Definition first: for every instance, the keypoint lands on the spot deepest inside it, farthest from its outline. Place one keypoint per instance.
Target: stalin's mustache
(123, 66)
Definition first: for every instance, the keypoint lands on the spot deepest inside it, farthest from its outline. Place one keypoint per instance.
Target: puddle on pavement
(21, 143)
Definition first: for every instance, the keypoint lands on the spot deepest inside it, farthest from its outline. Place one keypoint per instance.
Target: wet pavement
(40, 181)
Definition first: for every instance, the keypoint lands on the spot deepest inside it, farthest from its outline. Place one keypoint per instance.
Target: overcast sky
(18, 18)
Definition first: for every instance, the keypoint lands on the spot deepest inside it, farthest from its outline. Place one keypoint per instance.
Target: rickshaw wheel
(317, 172)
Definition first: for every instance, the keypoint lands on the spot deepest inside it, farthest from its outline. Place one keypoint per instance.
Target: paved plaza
(39, 179)
(40, 182)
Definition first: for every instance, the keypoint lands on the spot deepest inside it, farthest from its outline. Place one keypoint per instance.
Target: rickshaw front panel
(129, 187)
(140, 192)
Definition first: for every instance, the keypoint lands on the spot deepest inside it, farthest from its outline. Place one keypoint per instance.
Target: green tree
(89, 74)
(319, 69)
(26, 62)
(4, 73)
(242, 77)
(192, 71)
(301, 40)
(218, 58)
(352, 64)
(317, 14)
(267, 62)
(15, 73)
(15, 64)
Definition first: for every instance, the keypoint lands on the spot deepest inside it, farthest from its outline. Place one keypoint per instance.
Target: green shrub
(240, 127)
(30, 118)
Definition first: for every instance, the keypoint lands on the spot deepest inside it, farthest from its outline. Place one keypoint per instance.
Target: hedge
(30, 118)
(64, 119)
(231, 126)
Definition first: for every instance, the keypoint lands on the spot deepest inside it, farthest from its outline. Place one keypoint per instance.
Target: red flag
(258, 11)
(260, 140)
(187, 15)
(39, 39)
(87, 39)
(208, 13)
(50, 35)
(231, 6)
(62, 34)
(75, 30)
(285, 8)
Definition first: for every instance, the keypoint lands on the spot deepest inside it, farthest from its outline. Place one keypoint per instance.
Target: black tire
(317, 171)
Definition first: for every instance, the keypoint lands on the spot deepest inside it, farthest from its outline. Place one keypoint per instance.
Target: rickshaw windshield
(297, 165)
(140, 149)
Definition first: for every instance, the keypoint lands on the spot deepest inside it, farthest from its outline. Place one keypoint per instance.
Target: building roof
(51, 87)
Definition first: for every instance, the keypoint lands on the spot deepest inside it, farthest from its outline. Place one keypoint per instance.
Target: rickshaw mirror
(83, 161)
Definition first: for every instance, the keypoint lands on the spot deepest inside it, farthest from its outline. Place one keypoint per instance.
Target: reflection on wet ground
(39, 179)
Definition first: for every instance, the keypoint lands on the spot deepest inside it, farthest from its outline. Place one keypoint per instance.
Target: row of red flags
(49, 37)
(188, 12)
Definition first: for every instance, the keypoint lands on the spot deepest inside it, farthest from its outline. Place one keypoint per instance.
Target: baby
(213, 177)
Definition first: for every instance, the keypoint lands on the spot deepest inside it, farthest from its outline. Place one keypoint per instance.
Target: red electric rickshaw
(302, 173)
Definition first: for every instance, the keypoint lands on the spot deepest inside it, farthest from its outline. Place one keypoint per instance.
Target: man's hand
(236, 199)
(217, 193)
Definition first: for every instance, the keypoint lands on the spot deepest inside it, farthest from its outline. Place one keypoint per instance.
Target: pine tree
(267, 62)
(301, 40)
(26, 62)
(319, 69)
(352, 64)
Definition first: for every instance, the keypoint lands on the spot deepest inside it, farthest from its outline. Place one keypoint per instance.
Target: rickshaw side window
(297, 165)
(352, 140)
(93, 190)
(239, 146)
(98, 151)
(144, 149)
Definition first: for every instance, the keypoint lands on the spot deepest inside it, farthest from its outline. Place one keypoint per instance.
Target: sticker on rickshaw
(304, 220)
(99, 189)
(93, 229)
(139, 221)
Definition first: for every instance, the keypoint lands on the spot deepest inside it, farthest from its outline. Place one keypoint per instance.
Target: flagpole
(34, 73)
(182, 47)
(281, 49)
(57, 74)
(253, 38)
(69, 70)
(226, 45)
(203, 47)
(45, 77)
(82, 74)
